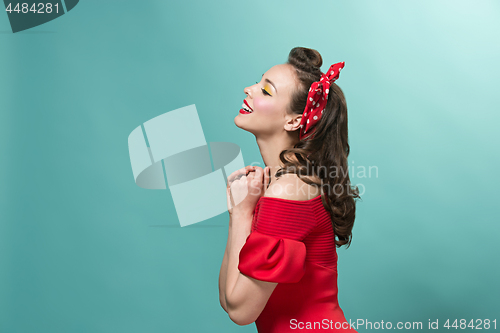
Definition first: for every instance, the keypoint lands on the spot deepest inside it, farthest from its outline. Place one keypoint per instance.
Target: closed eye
(264, 91)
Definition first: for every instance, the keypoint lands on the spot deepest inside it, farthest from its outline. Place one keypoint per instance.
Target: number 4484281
(477, 324)
(36, 8)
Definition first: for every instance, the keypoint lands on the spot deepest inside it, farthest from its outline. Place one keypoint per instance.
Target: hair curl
(313, 157)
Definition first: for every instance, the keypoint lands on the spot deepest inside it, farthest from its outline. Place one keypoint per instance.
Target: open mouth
(245, 108)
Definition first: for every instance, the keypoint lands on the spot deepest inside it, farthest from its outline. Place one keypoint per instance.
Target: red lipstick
(245, 108)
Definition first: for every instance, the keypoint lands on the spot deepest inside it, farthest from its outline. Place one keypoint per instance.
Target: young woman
(280, 265)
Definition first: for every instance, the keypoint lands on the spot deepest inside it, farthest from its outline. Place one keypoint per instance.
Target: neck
(270, 149)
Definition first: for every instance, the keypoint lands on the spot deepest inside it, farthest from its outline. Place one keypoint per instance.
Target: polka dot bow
(317, 97)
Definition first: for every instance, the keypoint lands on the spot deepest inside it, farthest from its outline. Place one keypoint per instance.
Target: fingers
(255, 180)
(267, 177)
(259, 174)
(230, 200)
(238, 190)
(251, 180)
(239, 173)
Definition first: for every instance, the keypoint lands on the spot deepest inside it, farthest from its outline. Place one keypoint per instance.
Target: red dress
(292, 243)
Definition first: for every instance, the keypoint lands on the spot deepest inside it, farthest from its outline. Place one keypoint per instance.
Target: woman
(280, 264)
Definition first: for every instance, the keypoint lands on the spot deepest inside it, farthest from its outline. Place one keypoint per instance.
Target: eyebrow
(267, 80)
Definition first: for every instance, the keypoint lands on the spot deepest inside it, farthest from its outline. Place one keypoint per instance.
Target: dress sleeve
(274, 250)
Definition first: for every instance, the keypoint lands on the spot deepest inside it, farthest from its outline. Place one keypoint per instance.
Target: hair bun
(305, 59)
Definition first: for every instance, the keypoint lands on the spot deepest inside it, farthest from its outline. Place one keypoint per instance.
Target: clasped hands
(244, 188)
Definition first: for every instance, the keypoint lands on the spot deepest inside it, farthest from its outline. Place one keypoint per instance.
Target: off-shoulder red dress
(292, 243)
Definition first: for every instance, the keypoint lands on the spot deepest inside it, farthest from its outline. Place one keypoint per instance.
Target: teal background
(84, 249)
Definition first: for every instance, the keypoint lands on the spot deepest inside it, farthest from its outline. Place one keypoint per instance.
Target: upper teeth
(246, 108)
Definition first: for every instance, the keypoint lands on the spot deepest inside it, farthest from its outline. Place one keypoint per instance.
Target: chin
(241, 124)
(237, 122)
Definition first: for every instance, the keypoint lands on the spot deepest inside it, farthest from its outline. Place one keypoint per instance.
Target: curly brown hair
(314, 158)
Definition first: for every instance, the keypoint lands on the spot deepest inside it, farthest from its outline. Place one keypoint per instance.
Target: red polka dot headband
(317, 97)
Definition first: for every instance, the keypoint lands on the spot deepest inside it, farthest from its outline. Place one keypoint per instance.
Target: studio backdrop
(101, 192)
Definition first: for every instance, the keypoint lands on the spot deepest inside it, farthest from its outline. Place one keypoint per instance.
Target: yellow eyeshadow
(266, 88)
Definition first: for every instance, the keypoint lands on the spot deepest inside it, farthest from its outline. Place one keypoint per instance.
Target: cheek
(264, 105)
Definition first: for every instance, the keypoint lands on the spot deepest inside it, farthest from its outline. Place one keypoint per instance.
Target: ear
(293, 123)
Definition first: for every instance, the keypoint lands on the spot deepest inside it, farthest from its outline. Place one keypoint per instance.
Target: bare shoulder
(291, 187)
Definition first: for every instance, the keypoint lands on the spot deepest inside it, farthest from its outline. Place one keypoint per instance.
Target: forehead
(283, 77)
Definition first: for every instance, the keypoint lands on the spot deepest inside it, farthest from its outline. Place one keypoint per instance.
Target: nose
(248, 91)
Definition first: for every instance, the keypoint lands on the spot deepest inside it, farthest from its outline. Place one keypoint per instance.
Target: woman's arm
(245, 297)
(242, 297)
(223, 268)
(223, 273)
